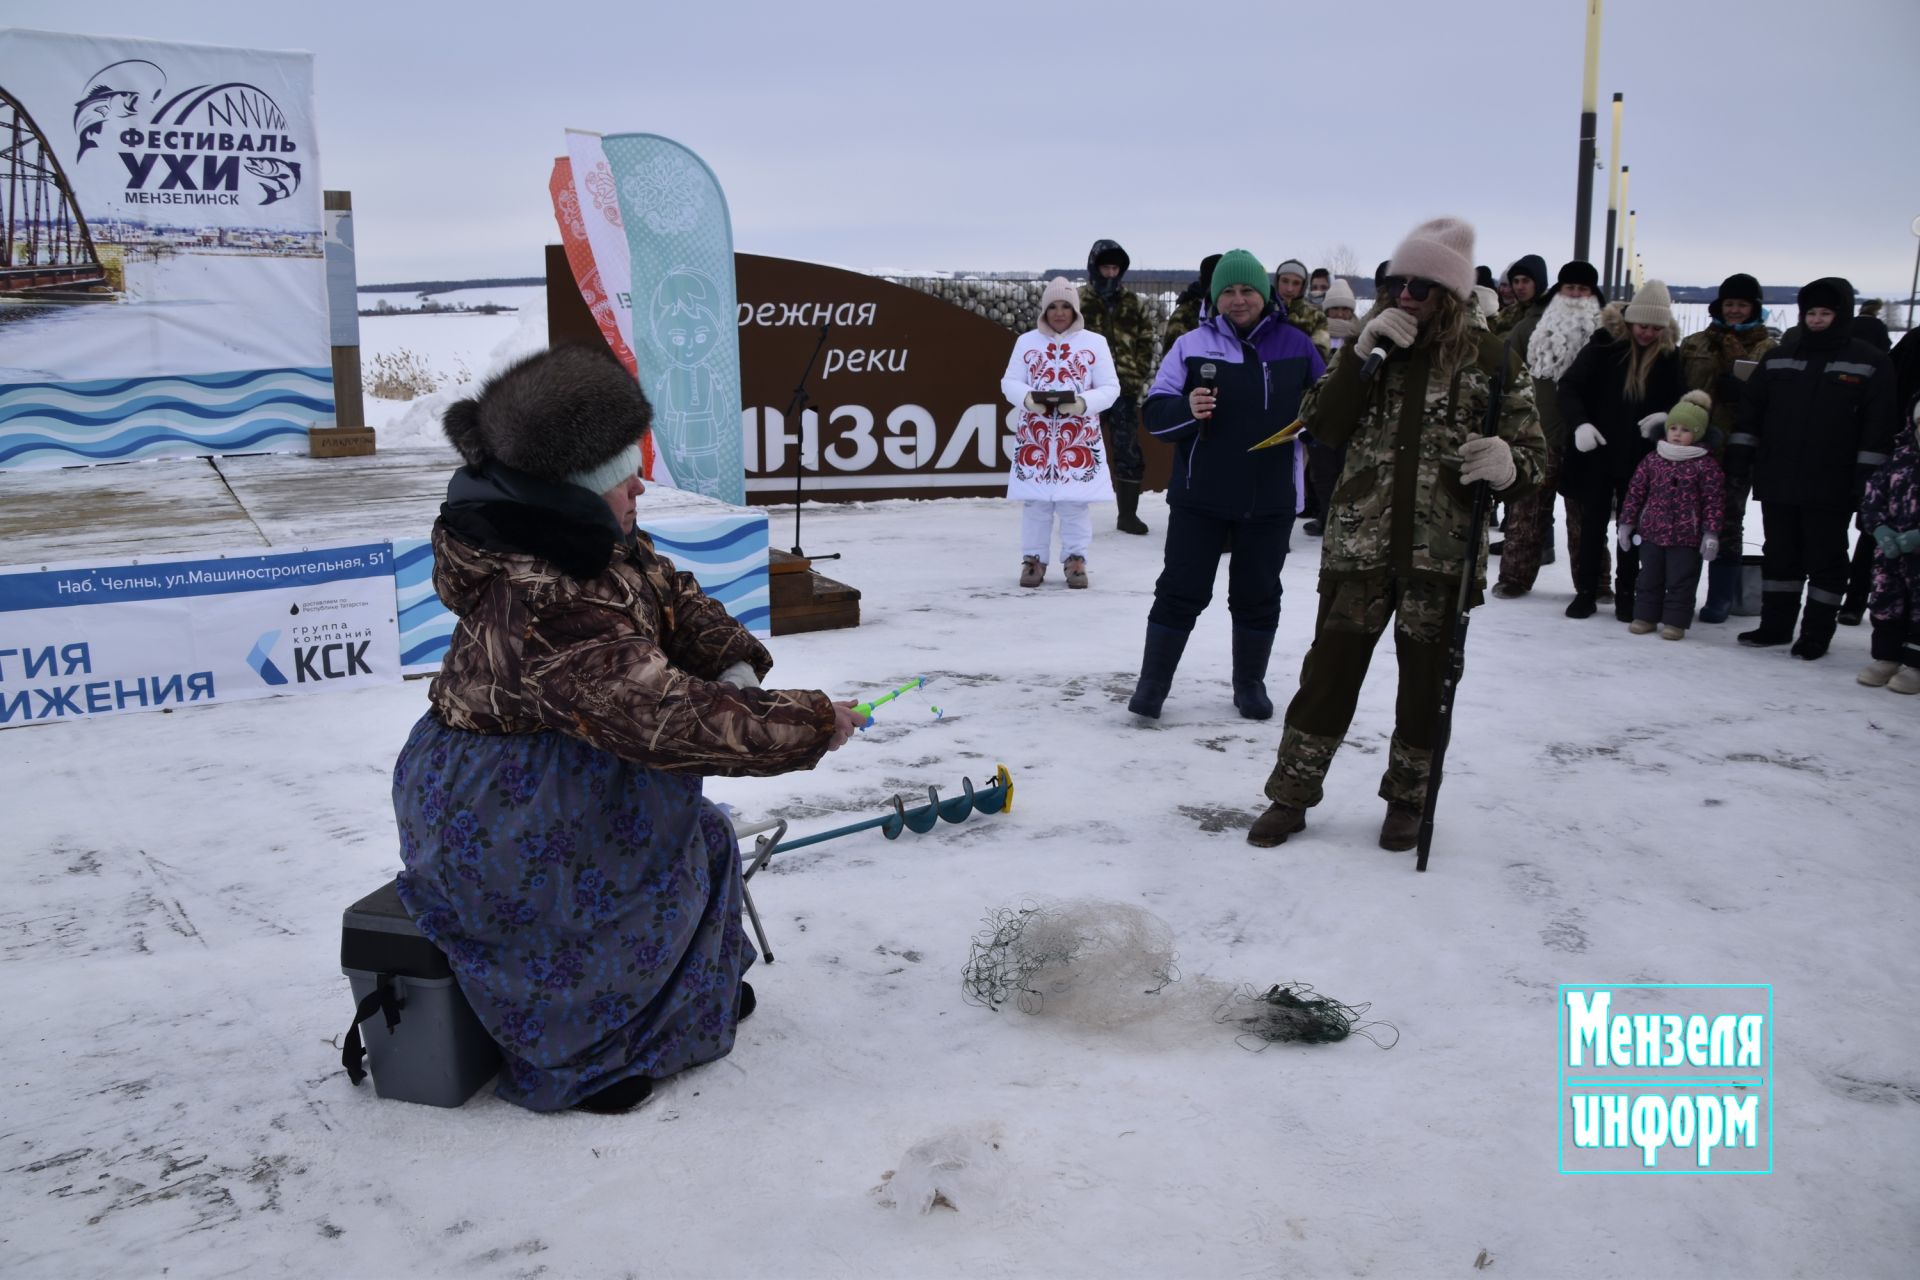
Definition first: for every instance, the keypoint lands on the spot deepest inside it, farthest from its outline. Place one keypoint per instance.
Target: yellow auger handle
(1282, 436)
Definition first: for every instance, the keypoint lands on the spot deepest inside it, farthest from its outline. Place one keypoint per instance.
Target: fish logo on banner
(680, 239)
(187, 148)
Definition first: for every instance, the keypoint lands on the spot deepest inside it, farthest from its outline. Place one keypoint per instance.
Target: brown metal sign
(906, 390)
(905, 393)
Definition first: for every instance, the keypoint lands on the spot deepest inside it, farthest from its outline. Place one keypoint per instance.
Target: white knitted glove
(1709, 546)
(1074, 408)
(1653, 424)
(1587, 437)
(1487, 458)
(1394, 326)
(1626, 537)
(740, 676)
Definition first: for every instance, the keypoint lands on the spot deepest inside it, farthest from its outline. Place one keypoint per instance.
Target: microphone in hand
(1389, 329)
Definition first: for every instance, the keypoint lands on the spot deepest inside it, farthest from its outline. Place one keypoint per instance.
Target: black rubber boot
(1126, 493)
(1723, 581)
(617, 1098)
(1778, 609)
(1816, 630)
(1157, 665)
(1251, 650)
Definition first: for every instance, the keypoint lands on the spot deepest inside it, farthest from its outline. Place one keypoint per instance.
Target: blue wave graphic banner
(45, 424)
(727, 556)
(685, 326)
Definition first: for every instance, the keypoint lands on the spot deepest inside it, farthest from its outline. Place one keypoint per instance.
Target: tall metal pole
(1613, 203)
(1633, 263)
(1619, 268)
(1914, 288)
(1589, 91)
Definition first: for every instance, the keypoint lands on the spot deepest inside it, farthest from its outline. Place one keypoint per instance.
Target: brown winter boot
(1076, 567)
(1276, 824)
(1033, 571)
(1401, 831)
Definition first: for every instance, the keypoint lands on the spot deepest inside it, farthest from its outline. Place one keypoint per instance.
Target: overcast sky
(1763, 135)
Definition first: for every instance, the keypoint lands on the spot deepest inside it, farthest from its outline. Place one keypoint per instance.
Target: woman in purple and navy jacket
(1223, 388)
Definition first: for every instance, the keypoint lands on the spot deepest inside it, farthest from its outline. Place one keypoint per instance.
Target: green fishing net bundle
(1294, 1011)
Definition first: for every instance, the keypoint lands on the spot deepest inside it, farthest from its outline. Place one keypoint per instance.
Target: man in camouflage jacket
(1115, 312)
(1738, 332)
(1289, 295)
(1397, 523)
(1190, 308)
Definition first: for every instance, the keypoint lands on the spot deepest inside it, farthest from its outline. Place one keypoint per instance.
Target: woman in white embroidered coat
(1059, 460)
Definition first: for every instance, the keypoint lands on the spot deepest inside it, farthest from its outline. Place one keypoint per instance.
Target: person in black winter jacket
(1627, 376)
(1819, 415)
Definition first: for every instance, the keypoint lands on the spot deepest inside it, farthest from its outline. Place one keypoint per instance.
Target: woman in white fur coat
(1060, 378)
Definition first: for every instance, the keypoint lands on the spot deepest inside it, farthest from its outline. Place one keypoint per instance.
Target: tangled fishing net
(1295, 1011)
(1094, 962)
(1106, 964)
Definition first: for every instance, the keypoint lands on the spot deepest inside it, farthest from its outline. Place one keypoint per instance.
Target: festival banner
(680, 241)
(163, 285)
(612, 312)
(83, 641)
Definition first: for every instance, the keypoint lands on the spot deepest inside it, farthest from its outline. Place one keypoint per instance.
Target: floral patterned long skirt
(590, 907)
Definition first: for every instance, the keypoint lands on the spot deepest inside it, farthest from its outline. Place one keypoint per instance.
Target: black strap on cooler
(381, 999)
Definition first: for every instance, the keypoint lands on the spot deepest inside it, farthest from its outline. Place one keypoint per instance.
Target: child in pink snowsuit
(1891, 513)
(1674, 500)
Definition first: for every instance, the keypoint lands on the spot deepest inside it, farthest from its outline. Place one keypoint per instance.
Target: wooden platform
(804, 599)
(187, 506)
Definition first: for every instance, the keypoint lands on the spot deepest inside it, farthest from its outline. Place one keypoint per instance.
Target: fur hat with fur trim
(1578, 272)
(1830, 292)
(1740, 287)
(1059, 290)
(554, 415)
(1440, 250)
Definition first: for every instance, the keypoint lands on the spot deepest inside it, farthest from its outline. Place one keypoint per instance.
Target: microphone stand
(796, 413)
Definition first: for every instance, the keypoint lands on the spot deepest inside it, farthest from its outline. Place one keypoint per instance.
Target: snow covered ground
(1617, 809)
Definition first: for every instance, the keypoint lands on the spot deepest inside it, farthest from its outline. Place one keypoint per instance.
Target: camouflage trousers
(1529, 521)
(1120, 423)
(1353, 617)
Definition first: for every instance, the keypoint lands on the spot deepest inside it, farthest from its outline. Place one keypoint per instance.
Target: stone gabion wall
(1014, 301)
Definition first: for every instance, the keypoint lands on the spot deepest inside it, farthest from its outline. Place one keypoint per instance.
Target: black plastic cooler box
(422, 1040)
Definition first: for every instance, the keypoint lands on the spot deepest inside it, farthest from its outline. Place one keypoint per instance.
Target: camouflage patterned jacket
(1184, 318)
(624, 659)
(1312, 321)
(1128, 330)
(1707, 359)
(1399, 510)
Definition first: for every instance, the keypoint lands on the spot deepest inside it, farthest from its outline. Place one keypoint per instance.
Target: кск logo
(189, 145)
(261, 659)
(335, 660)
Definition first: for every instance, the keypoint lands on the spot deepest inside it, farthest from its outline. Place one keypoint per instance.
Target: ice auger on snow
(995, 797)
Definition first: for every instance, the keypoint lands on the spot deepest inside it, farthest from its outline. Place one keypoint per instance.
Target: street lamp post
(1633, 262)
(1589, 90)
(1613, 203)
(1914, 288)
